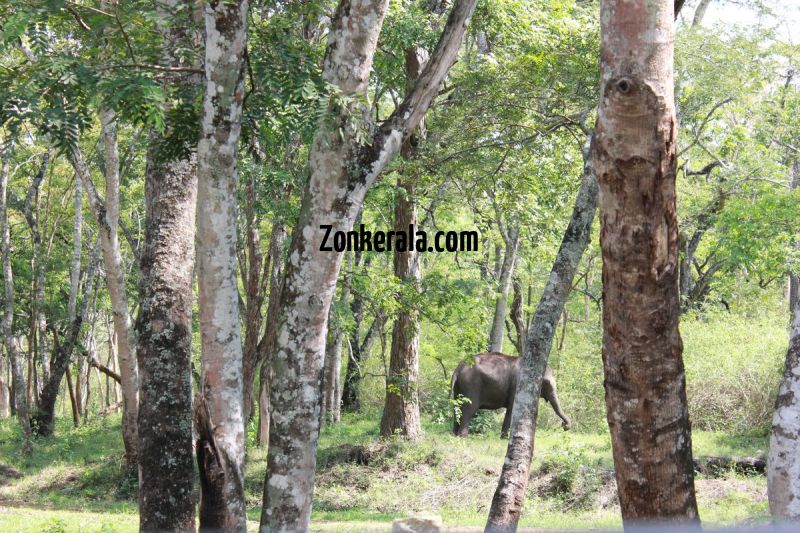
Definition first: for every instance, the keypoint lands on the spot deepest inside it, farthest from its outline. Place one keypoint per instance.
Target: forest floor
(76, 480)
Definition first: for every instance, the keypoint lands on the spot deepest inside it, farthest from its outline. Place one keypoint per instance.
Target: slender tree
(343, 164)
(106, 215)
(220, 409)
(510, 493)
(14, 362)
(634, 158)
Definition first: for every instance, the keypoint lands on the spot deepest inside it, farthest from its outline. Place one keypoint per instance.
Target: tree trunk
(634, 158)
(783, 465)
(45, 414)
(401, 408)
(220, 411)
(510, 493)
(5, 402)
(497, 333)
(357, 351)
(107, 217)
(330, 379)
(38, 266)
(255, 288)
(18, 381)
(342, 168)
(700, 13)
(266, 346)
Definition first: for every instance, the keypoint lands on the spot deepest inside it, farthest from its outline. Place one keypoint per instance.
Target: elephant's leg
(468, 410)
(506, 422)
(550, 394)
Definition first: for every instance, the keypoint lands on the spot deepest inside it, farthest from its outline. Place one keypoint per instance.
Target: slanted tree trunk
(510, 493)
(342, 168)
(700, 13)
(783, 464)
(266, 346)
(634, 158)
(62, 353)
(14, 362)
(220, 409)
(497, 333)
(164, 323)
(106, 215)
(45, 413)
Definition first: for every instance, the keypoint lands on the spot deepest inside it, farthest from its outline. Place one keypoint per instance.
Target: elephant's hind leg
(468, 410)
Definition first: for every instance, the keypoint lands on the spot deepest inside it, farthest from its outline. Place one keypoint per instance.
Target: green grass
(75, 481)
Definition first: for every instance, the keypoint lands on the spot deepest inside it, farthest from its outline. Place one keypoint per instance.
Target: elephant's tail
(453, 383)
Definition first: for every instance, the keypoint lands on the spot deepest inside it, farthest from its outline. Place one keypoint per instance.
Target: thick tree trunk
(164, 322)
(497, 333)
(220, 411)
(17, 381)
(634, 158)
(342, 169)
(401, 407)
(783, 465)
(510, 493)
(164, 328)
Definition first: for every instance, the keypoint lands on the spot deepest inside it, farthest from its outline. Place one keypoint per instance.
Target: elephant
(491, 383)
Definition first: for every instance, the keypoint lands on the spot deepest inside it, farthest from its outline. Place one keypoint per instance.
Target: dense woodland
(177, 351)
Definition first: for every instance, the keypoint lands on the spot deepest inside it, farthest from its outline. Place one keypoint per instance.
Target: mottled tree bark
(510, 493)
(341, 171)
(634, 158)
(220, 408)
(783, 464)
(164, 322)
(14, 362)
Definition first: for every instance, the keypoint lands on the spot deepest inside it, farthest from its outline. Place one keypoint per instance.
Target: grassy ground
(76, 480)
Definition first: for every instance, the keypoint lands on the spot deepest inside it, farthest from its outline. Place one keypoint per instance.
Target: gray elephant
(491, 383)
